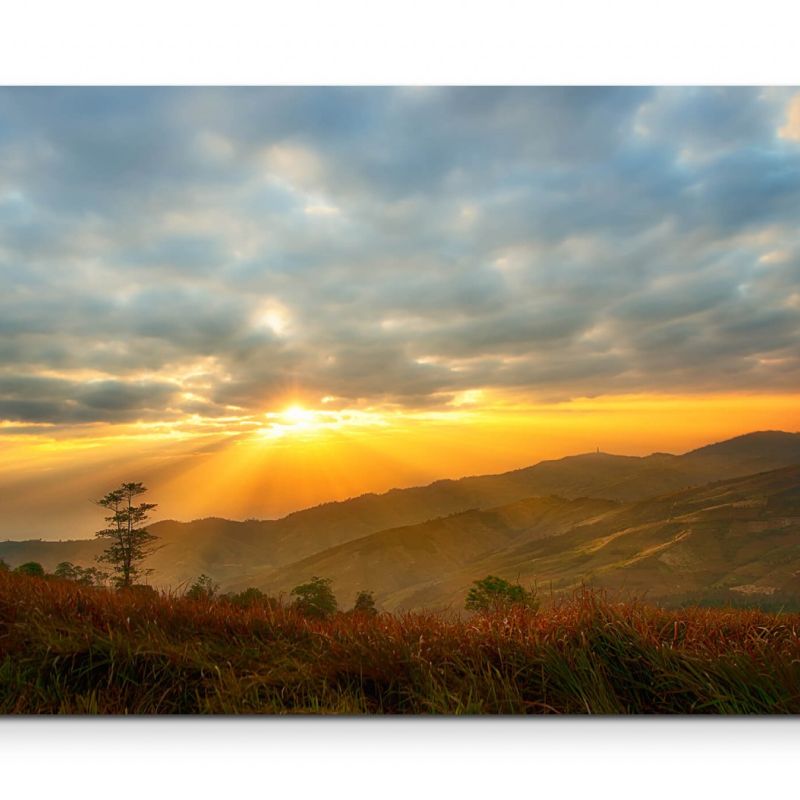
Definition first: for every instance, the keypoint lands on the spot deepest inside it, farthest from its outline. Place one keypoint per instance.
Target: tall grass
(76, 650)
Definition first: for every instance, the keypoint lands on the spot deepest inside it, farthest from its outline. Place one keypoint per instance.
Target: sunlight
(297, 415)
(296, 420)
(292, 420)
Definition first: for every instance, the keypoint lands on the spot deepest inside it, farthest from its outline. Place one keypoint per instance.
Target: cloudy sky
(187, 262)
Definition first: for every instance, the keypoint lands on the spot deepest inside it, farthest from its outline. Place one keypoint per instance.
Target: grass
(67, 649)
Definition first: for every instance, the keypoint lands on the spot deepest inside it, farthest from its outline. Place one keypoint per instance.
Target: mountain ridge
(727, 540)
(239, 551)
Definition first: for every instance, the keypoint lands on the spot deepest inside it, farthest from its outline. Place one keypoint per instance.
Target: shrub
(493, 593)
(142, 589)
(250, 597)
(67, 571)
(365, 603)
(91, 576)
(88, 576)
(204, 588)
(315, 598)
(32, 568)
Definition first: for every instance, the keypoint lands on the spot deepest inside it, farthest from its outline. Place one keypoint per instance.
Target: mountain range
(718, 524)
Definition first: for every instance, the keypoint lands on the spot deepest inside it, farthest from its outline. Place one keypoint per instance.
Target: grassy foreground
(74, 650)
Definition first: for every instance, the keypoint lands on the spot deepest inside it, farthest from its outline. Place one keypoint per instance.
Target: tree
(91, 576)
(250, 597)
(143, 589)
(3, 565)
(315, 598)
(33, 568)
(493, 594)
(66, 571)
(131, 542)
(88, 576)
(204, 588)
(365, 604)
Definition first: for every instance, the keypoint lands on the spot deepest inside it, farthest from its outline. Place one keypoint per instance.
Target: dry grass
(74, 650)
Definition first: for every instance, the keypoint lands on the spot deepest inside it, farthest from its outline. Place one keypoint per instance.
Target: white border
(399, 758)
(409, 42)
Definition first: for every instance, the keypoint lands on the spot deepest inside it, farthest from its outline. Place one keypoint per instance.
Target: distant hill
(725, 542)
(244, 552)
(423, 555)
(733, 541)
(760, 449)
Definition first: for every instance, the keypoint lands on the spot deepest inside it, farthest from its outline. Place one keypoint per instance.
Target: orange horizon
(304, 456)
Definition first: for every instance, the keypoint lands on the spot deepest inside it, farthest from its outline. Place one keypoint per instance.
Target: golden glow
(297, 420)
(307, 453)
(294, 419)
(297, 415)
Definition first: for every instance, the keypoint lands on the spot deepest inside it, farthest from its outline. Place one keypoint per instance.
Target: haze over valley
(718, 524)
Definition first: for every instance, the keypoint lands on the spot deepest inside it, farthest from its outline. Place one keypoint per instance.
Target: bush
(91, 576)
(32, 568)
(315, 598)
(493, 594)
(204, 588)
(250, 597)
(365, 604)
(141, 589)
(88, 576)
(67, 571)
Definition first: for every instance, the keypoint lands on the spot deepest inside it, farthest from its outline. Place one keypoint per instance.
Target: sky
(260, 299)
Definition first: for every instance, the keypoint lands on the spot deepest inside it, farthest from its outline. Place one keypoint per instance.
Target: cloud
(791, 128)
(26, 398)
(210, 252)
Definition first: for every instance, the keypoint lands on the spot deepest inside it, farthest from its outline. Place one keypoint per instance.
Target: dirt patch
(751, 588)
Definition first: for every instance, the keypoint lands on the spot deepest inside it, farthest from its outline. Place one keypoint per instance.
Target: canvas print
(399, 400)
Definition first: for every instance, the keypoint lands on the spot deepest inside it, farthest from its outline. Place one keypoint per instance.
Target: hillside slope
(425, 554)
(735, 540)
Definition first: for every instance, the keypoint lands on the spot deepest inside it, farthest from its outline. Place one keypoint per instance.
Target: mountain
(728, 541)
(754, 451)
(724, 542)
(422, 555)
(241, 552)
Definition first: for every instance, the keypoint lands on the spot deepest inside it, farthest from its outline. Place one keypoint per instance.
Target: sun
(294, 419)
(298, 416)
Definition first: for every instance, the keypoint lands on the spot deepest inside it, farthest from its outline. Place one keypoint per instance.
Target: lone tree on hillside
(131, 542)
(493, 594)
